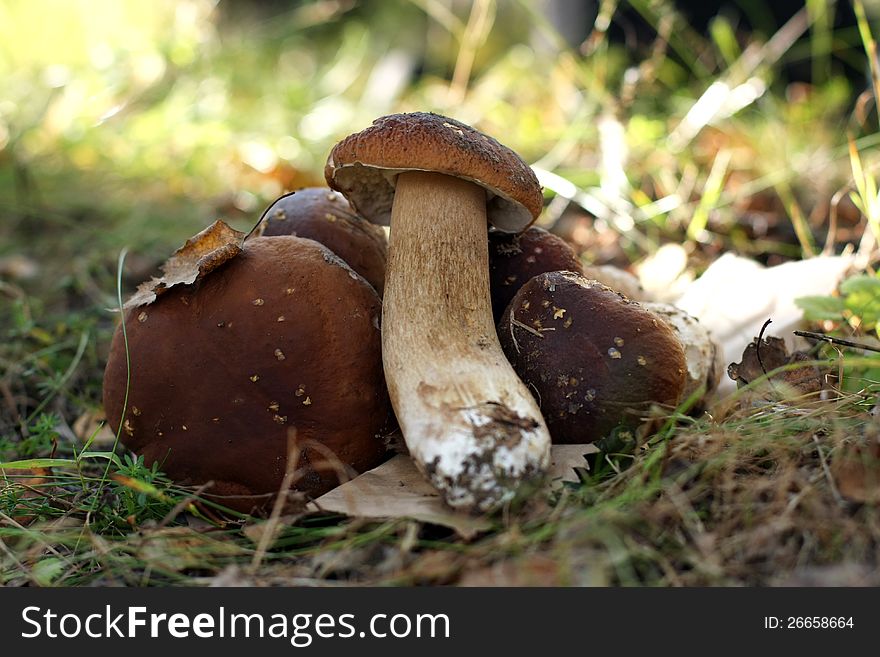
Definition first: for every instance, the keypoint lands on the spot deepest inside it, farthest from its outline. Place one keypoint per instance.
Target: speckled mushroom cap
(516, 258)
(594, 359)
(364, 166)
(283, 335)
(324, 215)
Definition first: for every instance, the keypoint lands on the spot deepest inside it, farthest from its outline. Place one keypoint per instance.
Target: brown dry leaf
(761, 357)
(857, 472)
(92, 426)
(201, 255)
(29, 481)
(396, 489)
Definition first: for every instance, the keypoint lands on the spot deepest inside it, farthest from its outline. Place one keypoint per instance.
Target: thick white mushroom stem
(470, 424)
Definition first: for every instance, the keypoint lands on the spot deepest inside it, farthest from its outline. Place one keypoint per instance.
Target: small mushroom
(596, 360)
(324, 215)
(470, 424)
(516, 258)
(282, 336)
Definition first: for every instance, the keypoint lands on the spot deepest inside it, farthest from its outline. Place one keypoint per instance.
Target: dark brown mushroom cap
(323, 215)
(594, 359)
(516, 258)
(283, 335)
(364, 166)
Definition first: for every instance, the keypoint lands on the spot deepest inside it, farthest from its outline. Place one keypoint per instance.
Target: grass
(153, 126)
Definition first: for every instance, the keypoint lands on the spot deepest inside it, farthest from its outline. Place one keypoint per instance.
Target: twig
(526, 327)
(263, 216)
(810, 335)
(758, 345)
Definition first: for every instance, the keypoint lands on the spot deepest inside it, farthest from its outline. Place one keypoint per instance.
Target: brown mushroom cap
(704, 357)
(618, 280)
(516, 258)
(364, 167)
(283, 335)
(594, 359)
(324, 215)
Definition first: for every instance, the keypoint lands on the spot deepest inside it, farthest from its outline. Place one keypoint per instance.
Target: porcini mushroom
(284, 335)
(324, 215)
(595, 359)
(516, 258)
(470, 424)
(704, 357)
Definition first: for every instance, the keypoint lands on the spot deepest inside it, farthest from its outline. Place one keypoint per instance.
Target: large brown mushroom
(284, 335)
(323, 215)
(470, 424)
(595, 359)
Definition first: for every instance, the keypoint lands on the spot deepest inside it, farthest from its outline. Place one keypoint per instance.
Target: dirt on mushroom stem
(470, 424)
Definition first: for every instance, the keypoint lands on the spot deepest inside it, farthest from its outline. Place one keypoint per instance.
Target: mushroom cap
(284, 335)
(595, 359)
(705, 361)
(516, 258)
(364, 166)
(618, 280)
(324, 215)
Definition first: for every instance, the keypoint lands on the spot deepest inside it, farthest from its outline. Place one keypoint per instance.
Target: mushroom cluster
(470, 424)
(256, 341)
(554, 315)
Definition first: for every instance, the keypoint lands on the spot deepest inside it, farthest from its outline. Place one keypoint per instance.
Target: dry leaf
(92, 426)
(396, 489)
(566, 459)
(735, 296)
(201, 255)
(762, 357)
(28, 480)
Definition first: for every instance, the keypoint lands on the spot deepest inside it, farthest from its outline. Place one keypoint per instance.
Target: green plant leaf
(861, 283)
(822, 308)
(37, 463)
